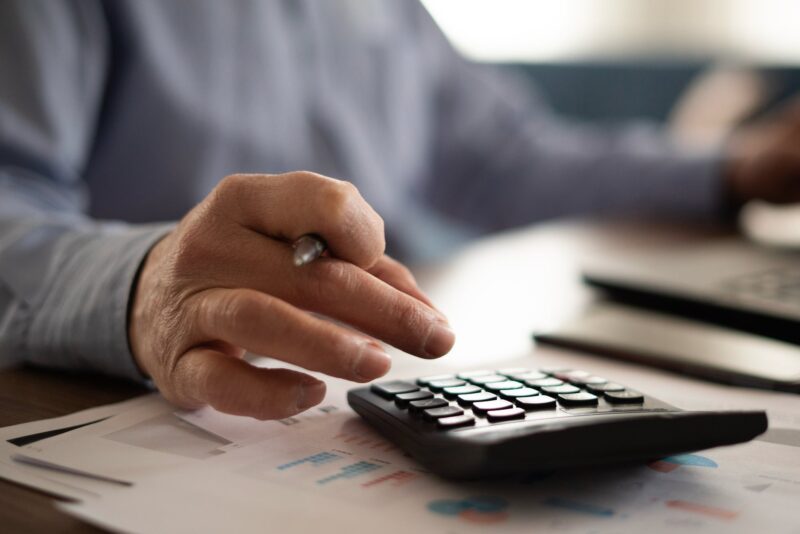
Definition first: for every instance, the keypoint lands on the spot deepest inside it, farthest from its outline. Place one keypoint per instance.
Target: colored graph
(702, 509)
(315, 460)
(365, 440)
(350, 471)
(577, 506)
(671, 463)
(398, 478)
(479, 509)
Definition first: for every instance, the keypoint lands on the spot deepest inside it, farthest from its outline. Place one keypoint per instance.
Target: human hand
(223, 282)
(764, 159)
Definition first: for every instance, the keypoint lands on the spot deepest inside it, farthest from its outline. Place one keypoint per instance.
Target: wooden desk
(495, 293)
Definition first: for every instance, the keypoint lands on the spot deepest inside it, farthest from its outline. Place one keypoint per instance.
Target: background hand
(764, 159)
(223, 282)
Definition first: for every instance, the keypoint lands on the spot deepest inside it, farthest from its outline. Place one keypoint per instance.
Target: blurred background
(700, 67)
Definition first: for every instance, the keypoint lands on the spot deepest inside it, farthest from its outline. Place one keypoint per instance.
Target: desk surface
(529, 275)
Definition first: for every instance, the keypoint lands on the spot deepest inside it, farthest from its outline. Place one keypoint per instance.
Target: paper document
(206, 471)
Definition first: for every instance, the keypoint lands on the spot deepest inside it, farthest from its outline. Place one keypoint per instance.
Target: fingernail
(440, 339)
(311, 394)
(372, 362)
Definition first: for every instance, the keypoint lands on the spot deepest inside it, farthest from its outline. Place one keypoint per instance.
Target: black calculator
(493, 423)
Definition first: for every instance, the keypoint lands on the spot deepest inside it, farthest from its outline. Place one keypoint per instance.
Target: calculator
(495, 423)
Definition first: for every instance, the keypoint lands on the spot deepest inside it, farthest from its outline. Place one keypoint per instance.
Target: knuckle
(410, 316)
(233, 309)
(338, 199)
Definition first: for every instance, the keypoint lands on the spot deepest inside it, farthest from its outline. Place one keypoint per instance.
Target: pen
(308, 248)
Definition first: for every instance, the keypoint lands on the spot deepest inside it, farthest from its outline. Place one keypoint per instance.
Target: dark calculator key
(455, 422)
(425, 380)
(505, 415)
(488, 406)
(553, 370)
(519, 392)
(530, 375)
(479, 372)
(472, 398)
(402, 399)
(599, 389)
(439, 385)
(578, 399)
(539, 402)
(624, 397)
(562, 389)
(505, 384)
(460, 390)
(431, 414)
(388, 390)
(544, 382)
(512, 371)
(425, 404)
(487, 379)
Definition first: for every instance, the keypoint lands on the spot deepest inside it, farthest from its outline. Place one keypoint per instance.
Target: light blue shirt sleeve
(64, 279)
(135, 110)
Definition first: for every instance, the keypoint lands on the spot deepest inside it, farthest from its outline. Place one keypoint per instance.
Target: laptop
(726, 309)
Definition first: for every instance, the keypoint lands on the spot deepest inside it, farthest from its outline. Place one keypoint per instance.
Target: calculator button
(590, 380)
(578, 399)
(519, 392)
(544, 382)
(455, 391)
(425, 380)
(487, 379)
(402, 399)
(425, 404)
(562, 389)
(431, 414)
(488, 406)
(388, 390)
(512, 371)
(479, 372)
(472, 398)
(624, 397)
(571, 374)
(553, 370)
(505, 384)
(458, 421)
(439, 385)
(599, 389)
(530, 375)
(505, 415)
(539, 402)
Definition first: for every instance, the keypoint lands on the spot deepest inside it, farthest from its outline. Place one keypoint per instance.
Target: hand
(764, 159)
(223, 282)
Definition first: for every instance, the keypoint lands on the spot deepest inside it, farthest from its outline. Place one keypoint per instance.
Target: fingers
(342, 291)
(339, 290)
(206, 376)
(398, 276)
(266, 325)
(287, 206)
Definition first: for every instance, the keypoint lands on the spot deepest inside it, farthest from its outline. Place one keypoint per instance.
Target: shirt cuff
(83, 321)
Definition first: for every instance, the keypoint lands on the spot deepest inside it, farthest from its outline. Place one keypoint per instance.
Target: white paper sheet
(327, 469)
(58, 484)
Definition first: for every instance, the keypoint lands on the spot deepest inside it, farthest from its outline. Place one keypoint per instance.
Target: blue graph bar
(350, 471)
(315, 459)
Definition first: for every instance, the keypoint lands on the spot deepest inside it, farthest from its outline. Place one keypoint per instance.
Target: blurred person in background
(118, 118)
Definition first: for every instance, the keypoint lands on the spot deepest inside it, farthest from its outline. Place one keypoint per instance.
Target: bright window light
(764, 31)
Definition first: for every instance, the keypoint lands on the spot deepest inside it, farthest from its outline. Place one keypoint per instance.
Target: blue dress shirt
(118, 116)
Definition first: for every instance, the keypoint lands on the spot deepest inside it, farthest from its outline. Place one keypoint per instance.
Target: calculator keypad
(494, 396)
